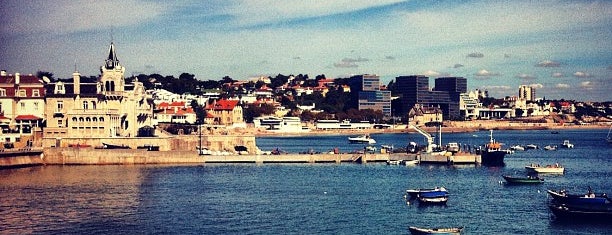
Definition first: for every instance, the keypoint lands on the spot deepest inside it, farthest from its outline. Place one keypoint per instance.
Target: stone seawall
(76, 156)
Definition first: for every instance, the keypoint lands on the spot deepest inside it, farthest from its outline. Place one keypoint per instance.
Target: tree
(41, 74)
(200, 112)
(518, 112)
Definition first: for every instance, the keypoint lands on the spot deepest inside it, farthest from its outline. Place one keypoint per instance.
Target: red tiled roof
(29, 79)
(223, 105)
(27, 117)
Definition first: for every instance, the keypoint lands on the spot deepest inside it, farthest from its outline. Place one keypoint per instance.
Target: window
(93, 105)
(2, 92)
(85, 105)
(21, 93)
(60, 106)
(59, 88)
(60, 123)
(23, 106)
(35, 106)
(35, 93)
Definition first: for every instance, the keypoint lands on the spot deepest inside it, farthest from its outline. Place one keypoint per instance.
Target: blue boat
(427, 192)
(583, 212)
(590, 198)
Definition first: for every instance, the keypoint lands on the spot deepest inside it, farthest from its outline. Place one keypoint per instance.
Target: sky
(562, 48)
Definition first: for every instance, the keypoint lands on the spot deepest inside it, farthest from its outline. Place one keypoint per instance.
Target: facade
(22, 106)
(369, 94)
(175, 112)
(107, 107)
(414, 90)
(227, 113)
(527, 93)
(419, 115)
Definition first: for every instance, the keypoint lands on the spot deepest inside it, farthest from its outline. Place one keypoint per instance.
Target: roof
(223, 105)
(23, 79)
(27, 117)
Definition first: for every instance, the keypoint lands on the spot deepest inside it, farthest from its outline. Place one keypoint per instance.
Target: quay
(451, 159)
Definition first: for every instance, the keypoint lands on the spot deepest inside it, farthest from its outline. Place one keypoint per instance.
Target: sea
(318, 198)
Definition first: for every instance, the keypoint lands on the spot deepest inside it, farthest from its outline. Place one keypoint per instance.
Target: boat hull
(418, 231)
(591, 213)
(576, 199)
(545, 170)
(493, 158)
(522, 180)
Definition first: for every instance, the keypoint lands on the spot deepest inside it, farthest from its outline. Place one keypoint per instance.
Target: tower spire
(111, 60)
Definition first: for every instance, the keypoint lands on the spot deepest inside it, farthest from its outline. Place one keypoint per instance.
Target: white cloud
(562, 86)
(431, 73)
(525, 76)
(557, 75)
(587, 85)
(536, 85)
(581, 74)
(485, 73)
(548, 63)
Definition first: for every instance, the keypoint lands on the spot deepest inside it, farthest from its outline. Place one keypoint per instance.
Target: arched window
(85, 105)
(81, 119)
(87, 119)
(107, 85)
(93, 105)
(74, 119)
(101, 119)
(94, 119)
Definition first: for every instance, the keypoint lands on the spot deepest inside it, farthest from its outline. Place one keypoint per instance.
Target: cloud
(536, 85)
(485, 73)
(353, 60)
(557, 75)
(525, 76)
(562, 86)
(581, 74)
(475, 55)
(345, 64)
(587, 85)
(390, 57)
(548, 64)
(498, 88)
(457, 66)
(431, 73)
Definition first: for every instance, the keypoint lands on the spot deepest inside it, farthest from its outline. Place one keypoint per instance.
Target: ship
(493, 155)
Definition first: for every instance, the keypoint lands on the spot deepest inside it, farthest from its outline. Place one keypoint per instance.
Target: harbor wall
(21, 158)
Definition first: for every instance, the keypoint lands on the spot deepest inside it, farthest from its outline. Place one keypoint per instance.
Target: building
(22, 106)
(227, 113)
(370, 96)
(527, 93)
(175, 112)
(105, 108)
(446, 94)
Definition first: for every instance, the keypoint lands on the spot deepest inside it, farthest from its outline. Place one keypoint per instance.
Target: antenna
(111, 33)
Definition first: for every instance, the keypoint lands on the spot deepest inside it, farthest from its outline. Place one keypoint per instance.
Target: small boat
(362, 139)
(452, 147)
(531, 146)
(394, 162)
(410, 162)
(523, 180)
(553, 169)
(567, 144)
(517, 148)
(418, 231)
(550, 147)
(609, 137)
(493, 155)
(562, 197)
(587, 213)
(113, 146)
(429, 191)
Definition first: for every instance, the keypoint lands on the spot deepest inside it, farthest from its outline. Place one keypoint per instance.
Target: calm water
(305, 198)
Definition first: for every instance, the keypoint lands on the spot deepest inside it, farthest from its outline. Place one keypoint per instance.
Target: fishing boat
(552, 169)
(493, 155)
(562, 197)
(419, 231)
(437, 191)
(362, 139)
(567, 144)
(531, 146)
(550, 147)
(523, 180)
(590, 213)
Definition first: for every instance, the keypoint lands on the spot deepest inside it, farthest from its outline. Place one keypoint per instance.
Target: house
(175, 112)
(227, 113)
(22, 106)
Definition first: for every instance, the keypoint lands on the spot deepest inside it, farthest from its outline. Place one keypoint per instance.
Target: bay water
(308, 198)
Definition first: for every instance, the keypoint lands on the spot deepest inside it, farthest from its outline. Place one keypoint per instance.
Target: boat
(517, 148)
(562, 197)
(567, 144)
(531, 146)
(554, 169)
(452, 147)
(410, 162)
(550, 147)
(113, 146)
(394, 162)
(587, 213)
(523, 180)
(362, 139)
(418, 231)
(429, 191)
(493, 155)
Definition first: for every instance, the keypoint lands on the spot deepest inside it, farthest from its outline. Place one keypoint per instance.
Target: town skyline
(559, 47)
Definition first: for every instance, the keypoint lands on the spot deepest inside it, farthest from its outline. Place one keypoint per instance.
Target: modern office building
(445, 95)
(527, 93)
(369, 95)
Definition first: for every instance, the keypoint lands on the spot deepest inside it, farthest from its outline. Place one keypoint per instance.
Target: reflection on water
(53, 198)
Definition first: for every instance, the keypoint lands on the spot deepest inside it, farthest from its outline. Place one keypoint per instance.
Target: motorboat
(550, 147)
(362, 139)
(394, 162)
(419, 231)
(551, 169)
(452, 147)
(530, 179)
(531, 146)
(430, 191)
(517, 148)
(562, 197)
(567, 144)
(588, 213)
(437, 195)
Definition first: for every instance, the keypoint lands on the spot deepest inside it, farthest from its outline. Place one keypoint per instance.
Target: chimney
(3, 72)
(76, 77)
(16, 78)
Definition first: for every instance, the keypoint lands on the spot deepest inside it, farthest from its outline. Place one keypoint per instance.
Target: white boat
(362, 139)
(517, 148)
(410, 162)
(552, 169)
(550, 147)
(567, 144)
(452, 147)
(417, 230)
(531, 146)
(394, 162)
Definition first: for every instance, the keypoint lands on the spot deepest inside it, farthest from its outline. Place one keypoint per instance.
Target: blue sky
(563, 48)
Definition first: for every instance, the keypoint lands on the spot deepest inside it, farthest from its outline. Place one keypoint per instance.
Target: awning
(28, 117)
